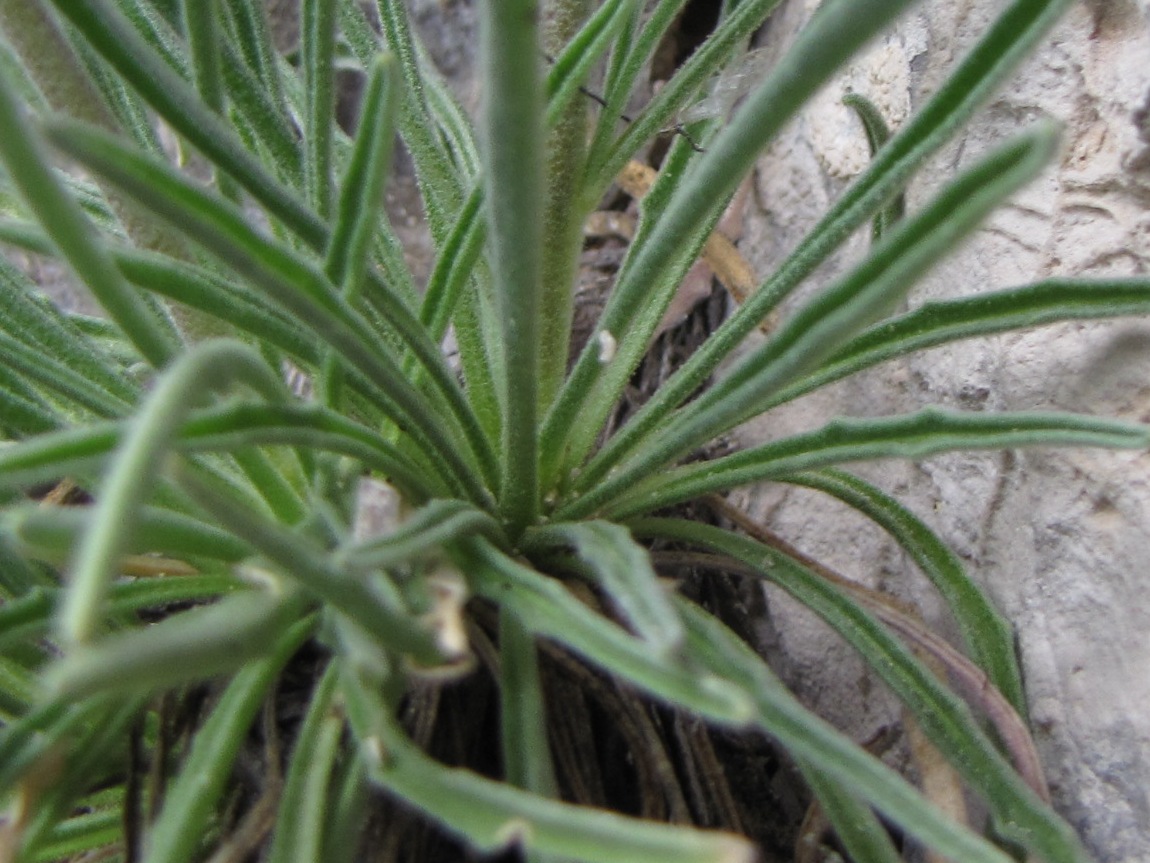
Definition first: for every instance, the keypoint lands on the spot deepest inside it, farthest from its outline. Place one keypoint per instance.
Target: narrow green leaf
(987, 635)
(875, 127)
(840, 29)
(843, 308)
(912, 436)
(154, 593)
(24, 412)
(201, 20)
(298, 837)
(25, 617)
(348, 815)
(80, 451)
(18, 575)
(29, 617)
(71, 233)
(50, 532)
(523, 715)
(311, 427)
(19, 686)
(481, 355)
(513, 162)
(456, 125)
(157, 23)
(126, 486)
(296, 558)
(454, 265)
(129, 111)
(562, 214)
(183, 648)
(196, 287)
(361, 191)
(238, 306)
(79, 84)
(862, 834)
(622, 569)
(940, 322)
(570, 70)
(815, 741)
(30, 22)
(267, 128)
(47, 457)
(204, 35)
(298, 286)
(178, 833)
(48, 375)
(1005, 44)
(68, 77)
(114, 349)
(877, 134)
(421, 534)
(274, 481)
(29, 737)
(174, 99)
(943, 716)
(460, 249)
(583, 435)
(440, 183)
(619, 78)
(317, 53)
(80, 834)
(361, 195)
(707, 60)
(551, 611)
(89, 749)
(256, 101)
(252, 37)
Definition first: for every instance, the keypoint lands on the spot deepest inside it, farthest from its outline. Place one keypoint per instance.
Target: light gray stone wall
(1061, 539)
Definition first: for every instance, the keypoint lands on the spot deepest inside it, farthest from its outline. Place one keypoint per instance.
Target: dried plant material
(719, 252)
(940, 782)
(37, 781)
(707, 780)
(693, 290)
(64, 493)
(609, 223)
(252, 831)
(448, 593)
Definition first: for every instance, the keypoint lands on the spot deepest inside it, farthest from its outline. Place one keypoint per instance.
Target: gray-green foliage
(173, 417)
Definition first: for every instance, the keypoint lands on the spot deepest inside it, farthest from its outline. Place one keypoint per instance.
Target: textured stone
(1060, 539)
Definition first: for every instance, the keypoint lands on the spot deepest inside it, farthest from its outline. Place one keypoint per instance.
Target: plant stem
(513, 160)
(566, 151)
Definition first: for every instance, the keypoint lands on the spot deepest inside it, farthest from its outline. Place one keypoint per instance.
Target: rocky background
(1060, 539)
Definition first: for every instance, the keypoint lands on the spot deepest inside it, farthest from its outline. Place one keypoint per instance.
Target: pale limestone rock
(1060, 539)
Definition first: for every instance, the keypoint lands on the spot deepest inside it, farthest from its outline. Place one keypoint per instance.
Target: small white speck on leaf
(606, 346)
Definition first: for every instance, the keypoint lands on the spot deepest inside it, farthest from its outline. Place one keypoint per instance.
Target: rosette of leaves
(175, 513)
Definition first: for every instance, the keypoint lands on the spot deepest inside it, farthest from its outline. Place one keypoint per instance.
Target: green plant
(172, 415)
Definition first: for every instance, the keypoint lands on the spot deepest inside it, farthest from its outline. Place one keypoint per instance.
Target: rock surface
(1060, 539)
